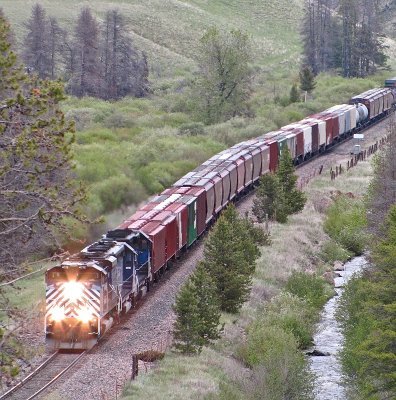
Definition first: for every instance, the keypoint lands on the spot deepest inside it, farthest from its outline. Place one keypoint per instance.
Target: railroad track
(43, 376)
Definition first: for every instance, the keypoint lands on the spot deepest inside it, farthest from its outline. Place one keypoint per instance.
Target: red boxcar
(157, 235)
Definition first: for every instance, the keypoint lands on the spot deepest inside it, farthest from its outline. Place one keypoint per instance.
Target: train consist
(87, 292)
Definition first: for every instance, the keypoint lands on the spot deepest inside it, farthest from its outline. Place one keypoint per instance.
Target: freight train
(88, 291)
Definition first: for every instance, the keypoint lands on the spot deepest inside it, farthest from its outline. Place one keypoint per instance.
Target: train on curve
(88, 291)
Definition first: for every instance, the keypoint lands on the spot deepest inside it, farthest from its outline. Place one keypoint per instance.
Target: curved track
(43, 376)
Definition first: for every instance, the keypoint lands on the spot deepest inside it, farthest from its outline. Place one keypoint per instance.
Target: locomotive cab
(72, 319)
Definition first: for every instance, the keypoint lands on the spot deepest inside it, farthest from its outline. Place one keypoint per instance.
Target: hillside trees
(382, 189)
(37, 51)
(97, 59)
(343, 35)
(125, 72)
(86, 72)
(224, 82)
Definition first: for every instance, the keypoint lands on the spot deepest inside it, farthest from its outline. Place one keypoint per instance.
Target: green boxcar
(191, 203)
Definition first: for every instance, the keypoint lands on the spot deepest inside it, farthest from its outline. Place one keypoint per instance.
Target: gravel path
(103, 372)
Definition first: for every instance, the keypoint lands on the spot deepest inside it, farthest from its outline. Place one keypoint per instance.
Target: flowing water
(329, 339)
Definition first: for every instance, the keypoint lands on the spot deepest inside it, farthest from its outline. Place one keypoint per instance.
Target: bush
(118, 191)
(279, 368)
(192, 129)
(310, 288)
(345, 223)
(332, 251)
(292, 314)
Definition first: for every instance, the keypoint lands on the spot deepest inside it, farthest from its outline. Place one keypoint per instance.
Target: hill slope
(169, 30)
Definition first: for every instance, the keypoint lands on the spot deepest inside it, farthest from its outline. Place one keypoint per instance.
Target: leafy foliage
(310, 288)
(225, 75)
(345, 223)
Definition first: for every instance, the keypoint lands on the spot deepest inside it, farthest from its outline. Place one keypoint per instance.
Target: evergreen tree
(125, 70)
(85, 79)
(229, 258)
(204, 290)
(39, 198)
(293, 199)
(224, 82)
(37, 190)
(307, 80)
(266, 201)
(36, 53)
(187, 327)
(277, 195)
(294, 94)
(197, 313)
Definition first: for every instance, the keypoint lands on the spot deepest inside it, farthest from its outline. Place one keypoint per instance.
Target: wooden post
(135, 367)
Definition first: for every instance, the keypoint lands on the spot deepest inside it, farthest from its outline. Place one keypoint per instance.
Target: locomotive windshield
(59, 274)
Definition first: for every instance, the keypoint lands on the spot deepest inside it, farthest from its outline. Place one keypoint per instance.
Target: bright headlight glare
(57, 313)
(85, 315)
(73, 290)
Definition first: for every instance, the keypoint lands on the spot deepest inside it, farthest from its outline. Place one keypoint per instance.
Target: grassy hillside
(169, 30)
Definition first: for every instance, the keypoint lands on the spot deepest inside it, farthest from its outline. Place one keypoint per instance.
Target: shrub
(310, 288)
(293, 314)
(345, 223)
(192, 129)
(279, 368)
(332, 251)
(117, 191)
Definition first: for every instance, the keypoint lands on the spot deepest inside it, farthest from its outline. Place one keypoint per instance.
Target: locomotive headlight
(73, 290)
(57, 313)
(84, 315)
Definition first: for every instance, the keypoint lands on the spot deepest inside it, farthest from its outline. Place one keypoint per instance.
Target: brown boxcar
(181, 212)
(168, 219)
(157, 235)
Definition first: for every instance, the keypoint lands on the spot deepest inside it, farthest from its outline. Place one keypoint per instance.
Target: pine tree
(229, 258)
(267, 195)
(39, 198)
(204, 290)
(293, 199)
(86, 75)
(197, 313)
(294, 94)
(36, 54)
(277, 195)
(307, 80)
(187, 327)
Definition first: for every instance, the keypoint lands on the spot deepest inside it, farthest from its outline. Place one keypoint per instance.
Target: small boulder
(329, 277)
(318, 353)
(338, 266)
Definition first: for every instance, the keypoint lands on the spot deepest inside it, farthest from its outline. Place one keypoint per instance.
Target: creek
(329, 340)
